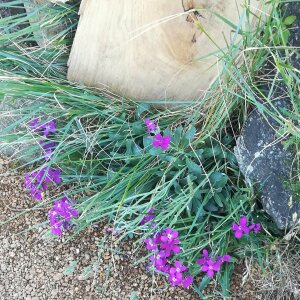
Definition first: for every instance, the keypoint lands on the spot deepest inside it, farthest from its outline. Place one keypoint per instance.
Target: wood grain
(152, 49)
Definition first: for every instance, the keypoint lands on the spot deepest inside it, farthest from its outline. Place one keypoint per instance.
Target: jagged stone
(260, 152)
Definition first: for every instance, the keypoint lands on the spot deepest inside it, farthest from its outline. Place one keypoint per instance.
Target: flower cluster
(209, 265)
(164, 245)
(61, 215)
(158, 140)
(44, 129)
(37, 182)
(242, 228)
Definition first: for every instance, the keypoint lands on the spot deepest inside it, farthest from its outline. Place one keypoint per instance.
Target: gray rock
(259, 150)
(264, 161)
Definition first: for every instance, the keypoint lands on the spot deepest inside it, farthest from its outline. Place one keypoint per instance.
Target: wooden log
(153, 49)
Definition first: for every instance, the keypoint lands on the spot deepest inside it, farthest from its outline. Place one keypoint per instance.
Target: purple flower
(48, 148)
(34, 123)
(175, 279)
(202, 261)
(151, 244)
(225, 258)
(148, 217)
(210, 267)
(37, 181)
(157, 256)
(178, 267)
(171, 247)
(55, 175)
(241, 228)
(187, 282)
(48, 128)
(151, 126)
(61, 215)
(162, 265)
(45, 129)
(161, 141)
(169, 235)
(256, 227)
(36, 193)
(56, 230)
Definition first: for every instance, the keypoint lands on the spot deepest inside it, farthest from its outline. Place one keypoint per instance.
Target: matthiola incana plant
(61, 214)
(164, 245)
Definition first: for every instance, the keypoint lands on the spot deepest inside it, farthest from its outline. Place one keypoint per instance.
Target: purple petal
(246, 230)
(217, 266)
(226, 258)
(257, 228)
(201, 261)
(174, 234)
(176, 249)
(238, 234)
(205, 253)
(56, 231)
(243, 221)
(205, 268)
(187, 282)
(165, 142)
(210, 273)
(235, 226)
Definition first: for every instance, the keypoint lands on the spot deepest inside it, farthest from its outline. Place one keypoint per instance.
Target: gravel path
(32, 265)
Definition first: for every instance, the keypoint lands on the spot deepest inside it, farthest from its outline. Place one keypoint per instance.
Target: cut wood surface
(153, 49)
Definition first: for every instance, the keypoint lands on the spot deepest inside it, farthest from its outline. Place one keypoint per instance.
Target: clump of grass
(281, 278)
(104, 154)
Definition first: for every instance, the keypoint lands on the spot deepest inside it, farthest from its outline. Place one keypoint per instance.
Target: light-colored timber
(153, 49)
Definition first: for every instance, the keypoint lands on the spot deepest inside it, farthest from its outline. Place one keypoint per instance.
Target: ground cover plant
(168, 177)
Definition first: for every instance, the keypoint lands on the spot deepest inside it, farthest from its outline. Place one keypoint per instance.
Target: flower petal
(238, 234)
(210, 273)
(243, 221)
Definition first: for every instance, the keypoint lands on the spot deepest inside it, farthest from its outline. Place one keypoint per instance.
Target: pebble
(57, 277)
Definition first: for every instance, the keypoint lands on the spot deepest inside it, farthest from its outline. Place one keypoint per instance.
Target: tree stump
(153, 49)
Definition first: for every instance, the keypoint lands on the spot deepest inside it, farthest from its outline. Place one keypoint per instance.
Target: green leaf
(147, 141)
(285, 36)
(211, 206)
(216, 151)
(193, 167)
(289, 20)
(166, 157)
(177, 136)
(218, 180)
(190, 133)
(219, 198)
(70, 269)
(142, 108)
(137, 128)
(155, 151)
(204, 283)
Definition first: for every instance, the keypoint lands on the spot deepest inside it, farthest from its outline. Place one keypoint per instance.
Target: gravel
(36, 266)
